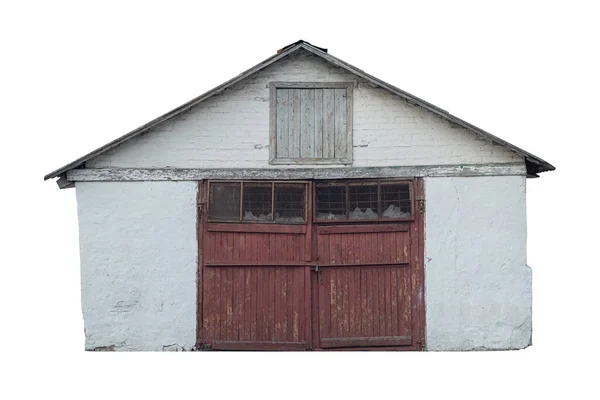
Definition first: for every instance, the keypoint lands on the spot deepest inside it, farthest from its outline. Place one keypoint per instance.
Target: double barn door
(335, 285)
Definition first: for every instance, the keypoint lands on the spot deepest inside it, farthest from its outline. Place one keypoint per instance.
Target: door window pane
(224, 202)
(331, 203)
(290, 203)
(395, 200)
(257, 202)
(363, 201)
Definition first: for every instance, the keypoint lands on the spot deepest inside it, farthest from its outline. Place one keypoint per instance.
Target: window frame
(273, 86)
(241, 216)
(360, 182)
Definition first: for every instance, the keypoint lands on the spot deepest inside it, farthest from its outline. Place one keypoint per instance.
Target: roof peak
(284, 48)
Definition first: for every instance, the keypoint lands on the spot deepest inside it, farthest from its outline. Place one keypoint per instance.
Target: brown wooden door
(370, 285)
(255, 287)
(365, 290)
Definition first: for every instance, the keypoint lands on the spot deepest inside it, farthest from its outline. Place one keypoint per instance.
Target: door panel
(364, 280)
(255, 289)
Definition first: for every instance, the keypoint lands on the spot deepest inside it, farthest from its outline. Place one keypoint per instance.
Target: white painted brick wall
(477, 282)
(232, 129)
(139, 259)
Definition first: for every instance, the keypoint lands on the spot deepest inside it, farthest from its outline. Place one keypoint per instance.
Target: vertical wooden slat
(226, 302)
(289, 314)
(394, 301)
(369, 294)
(307, 124)
(294, 124)
(387, 300)
(363, 303)
(271, 299)
(328, 123)
(283, 120)
(318, 153)
(375, 296)
(340, 123)
(208, 304)
(406, 303)
(283, 304)
(234, 302)
(246, 317)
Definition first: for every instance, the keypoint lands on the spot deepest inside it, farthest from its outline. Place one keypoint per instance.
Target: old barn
(304, 205)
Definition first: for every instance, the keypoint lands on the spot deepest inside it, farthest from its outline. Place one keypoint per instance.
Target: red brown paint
(310, 287)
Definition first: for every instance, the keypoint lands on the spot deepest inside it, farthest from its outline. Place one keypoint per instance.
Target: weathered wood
(312, 122)
(348, 122)
(318, 152)
(282, 118)
(361, 228)
(366, 341)
(275, 263)
(255, 227)
(64, 183)
(295, 123)
(328, 124)
(364, 264)
(341, 148)
(167, 174)
(312, 85)
(307, 124)
(248, 345)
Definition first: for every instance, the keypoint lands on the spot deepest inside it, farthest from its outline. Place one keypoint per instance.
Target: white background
(75, 75)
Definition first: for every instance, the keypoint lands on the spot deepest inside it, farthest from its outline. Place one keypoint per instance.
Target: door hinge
(421, 206)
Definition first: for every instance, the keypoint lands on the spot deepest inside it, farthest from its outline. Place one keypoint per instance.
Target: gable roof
(534, 164)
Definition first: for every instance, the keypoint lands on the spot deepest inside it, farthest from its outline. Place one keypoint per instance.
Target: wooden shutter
(311, 123)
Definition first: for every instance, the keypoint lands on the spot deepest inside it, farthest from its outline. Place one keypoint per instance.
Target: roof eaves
(542, 165)
(176, 111)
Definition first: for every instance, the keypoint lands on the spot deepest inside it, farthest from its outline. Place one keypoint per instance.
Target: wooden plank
(270, 295)
(376, 310)
(246, 313)
(349, 123)
(318, 123)
(307, 124)
(339, 116)
(407, 172)
(237, 297)
(200, 286)
(282, 121)
(362, 296)
(255, 228)
(312, 85)
(420, 270)
(328, 124)
(345, 275)
(283, 312)
(228, 304)
(254, 307)
(219, 301)
(276, 263)
(366, 341)
(364, 264)
(360, 228)
(295, 123)
(394, 309)
(262, 345)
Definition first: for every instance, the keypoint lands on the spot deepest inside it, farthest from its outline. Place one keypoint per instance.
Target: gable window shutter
(311, 123)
